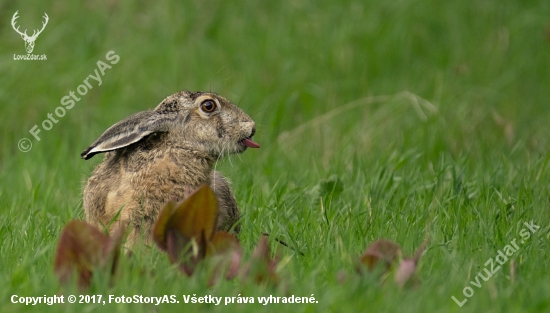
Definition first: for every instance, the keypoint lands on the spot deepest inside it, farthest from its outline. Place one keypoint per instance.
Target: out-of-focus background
(425, 119)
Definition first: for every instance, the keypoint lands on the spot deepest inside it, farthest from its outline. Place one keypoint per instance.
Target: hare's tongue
(249, 143)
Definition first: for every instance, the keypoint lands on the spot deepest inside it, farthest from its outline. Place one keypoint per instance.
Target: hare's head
(199, 121)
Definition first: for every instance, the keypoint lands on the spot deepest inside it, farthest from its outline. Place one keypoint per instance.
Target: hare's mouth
(248, 142)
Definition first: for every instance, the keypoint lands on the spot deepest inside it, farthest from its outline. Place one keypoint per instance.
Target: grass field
(432, 114)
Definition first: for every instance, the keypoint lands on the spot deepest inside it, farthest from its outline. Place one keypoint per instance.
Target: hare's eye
(208, 106)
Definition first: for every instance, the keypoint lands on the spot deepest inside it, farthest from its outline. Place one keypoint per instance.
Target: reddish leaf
(222, 242)
(407, 267)
(260, 267)
(235, 258)
(83, 248)
(186, 232)
(185, 250)
(381, 250)
(159, 230)
(227, 253)
(405, 271)
(196, 216)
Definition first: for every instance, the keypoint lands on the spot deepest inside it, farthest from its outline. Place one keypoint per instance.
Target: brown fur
(177, 156)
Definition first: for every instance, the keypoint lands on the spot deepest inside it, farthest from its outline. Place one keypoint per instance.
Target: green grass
(433, 114)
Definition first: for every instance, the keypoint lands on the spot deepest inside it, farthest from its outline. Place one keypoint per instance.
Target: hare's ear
(130, 130)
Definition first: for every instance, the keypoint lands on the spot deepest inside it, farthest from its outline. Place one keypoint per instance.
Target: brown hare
(156, 156)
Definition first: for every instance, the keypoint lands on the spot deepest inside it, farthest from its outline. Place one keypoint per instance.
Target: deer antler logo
(29, 40)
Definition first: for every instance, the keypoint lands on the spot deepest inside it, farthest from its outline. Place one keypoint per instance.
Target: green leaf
(333, 187)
